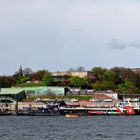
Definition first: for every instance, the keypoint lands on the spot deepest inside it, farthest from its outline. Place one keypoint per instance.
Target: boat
(104, 111)
(125, 108)
(49, 111)
(73, 115)
(5, 112)
(119, 108)
(137, 111)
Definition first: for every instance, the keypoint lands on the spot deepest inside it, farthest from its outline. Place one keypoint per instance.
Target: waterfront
(62, 128)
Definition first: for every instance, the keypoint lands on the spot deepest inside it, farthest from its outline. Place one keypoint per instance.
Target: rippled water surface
(61, 128)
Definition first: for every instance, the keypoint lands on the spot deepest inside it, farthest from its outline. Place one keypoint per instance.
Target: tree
(48, 80)
(89, 81)
(24, 79)
(78, 82)
(108, 85)
(80, 68)
(125, 74)
(119, 74)
(27, 71)
(71, 70)
(38, 75)
(18, 74)
(109, 76)
(98, 85)
(98, 72)
(127, 87)
(20, 71)
(6, 81)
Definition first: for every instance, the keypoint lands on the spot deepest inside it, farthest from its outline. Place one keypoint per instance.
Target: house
(14, 93)
(65, 75)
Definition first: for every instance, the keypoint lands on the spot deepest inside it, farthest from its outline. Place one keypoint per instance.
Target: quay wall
(5, 108)
(14, 107)
(30, 104)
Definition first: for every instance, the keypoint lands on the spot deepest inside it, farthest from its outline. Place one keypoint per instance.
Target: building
(66, 75)
(20, 93)
(136, 70)
(129, 97)
(41, 91)
(14, 93)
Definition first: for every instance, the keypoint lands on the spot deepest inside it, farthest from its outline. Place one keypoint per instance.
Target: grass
(52, 96)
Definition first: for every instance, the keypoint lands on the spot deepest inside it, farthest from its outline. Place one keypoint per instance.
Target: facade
(14, 93)
(21, 93)
(41, 91)
(129, 97)
(65, 75)
(136, 70)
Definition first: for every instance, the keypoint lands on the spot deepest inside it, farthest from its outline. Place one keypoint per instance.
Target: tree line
(118, 79)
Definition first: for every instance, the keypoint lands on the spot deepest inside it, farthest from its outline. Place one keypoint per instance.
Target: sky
(60, 34)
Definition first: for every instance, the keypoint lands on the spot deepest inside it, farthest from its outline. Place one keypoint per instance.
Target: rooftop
(10, 90)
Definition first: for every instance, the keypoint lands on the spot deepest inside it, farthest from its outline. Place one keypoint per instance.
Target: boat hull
(103, 113)
(51, 111)
(73, 115)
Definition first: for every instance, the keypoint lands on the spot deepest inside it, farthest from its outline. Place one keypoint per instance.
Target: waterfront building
(15, 93)
(41, 91)
(19, 93)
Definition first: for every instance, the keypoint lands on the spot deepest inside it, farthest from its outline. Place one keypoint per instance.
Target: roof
(16, 90)
(10, 91)
(102, 96)
(73, 73)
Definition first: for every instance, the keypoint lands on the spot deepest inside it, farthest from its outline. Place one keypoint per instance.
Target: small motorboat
(73, 115)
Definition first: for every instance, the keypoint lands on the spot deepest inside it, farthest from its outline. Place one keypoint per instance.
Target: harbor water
(62, 128)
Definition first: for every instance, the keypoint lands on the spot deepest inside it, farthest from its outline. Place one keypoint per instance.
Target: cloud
(135, 44)
(116, 44)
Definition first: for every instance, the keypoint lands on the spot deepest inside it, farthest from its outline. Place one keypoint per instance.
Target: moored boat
(50, 111)
(125, 108)
(73, 115)
(104, 111)
(6, 112)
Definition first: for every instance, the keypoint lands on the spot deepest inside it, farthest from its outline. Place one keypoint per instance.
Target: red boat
(125, 108)
(121, 109)
(96, 113)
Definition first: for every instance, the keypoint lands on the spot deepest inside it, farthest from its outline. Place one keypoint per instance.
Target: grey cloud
(135, 44)
(116, 44)
(119, 45)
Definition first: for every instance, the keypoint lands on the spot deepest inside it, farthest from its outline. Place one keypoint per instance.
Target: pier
(8, 106)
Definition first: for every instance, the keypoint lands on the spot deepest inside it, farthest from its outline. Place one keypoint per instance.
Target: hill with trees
(118, 79)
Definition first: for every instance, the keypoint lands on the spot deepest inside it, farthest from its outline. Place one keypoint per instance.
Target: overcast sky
(60, 34)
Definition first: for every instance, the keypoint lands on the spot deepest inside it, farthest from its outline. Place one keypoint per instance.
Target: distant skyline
(60, 34)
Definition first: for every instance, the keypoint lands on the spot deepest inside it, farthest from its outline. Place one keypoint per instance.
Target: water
(61, 128)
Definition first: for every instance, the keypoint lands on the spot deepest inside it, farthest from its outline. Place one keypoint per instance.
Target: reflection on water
(61, 128)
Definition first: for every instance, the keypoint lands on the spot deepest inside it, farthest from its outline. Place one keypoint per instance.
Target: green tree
(78, 82)
(24, 79)
(38, 75)
(128, 87)
(6, 81)
(27, 71)
(120, 74)
(98, 72)
(107, 85)
(48, 79)
(98, 85)
(109, 76)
